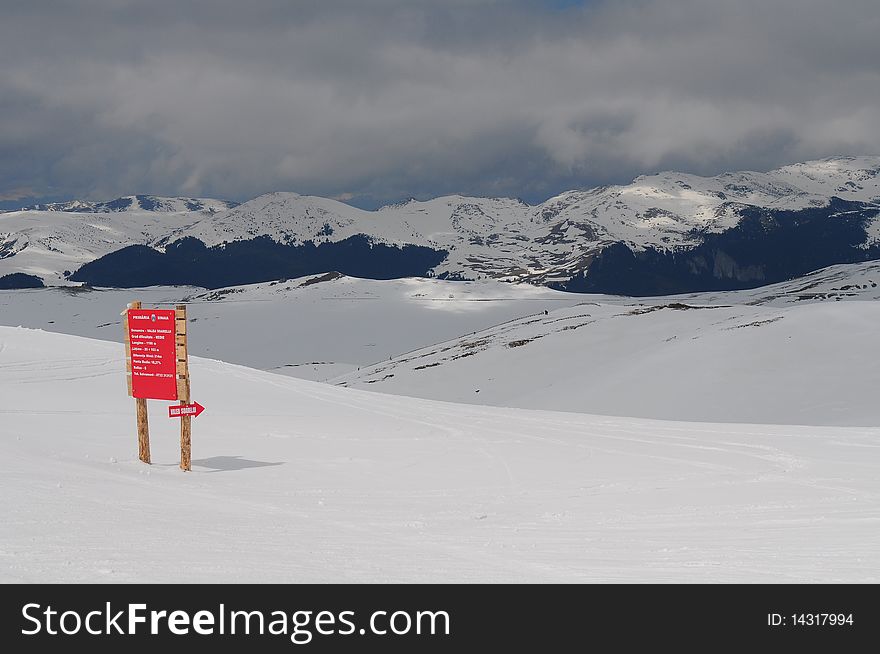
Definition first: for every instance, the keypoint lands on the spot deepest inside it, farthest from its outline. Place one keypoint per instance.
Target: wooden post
(183, 386)
(143, 430)
(143, 427)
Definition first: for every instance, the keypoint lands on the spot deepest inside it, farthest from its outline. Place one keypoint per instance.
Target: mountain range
(664, 233)
(136, 203)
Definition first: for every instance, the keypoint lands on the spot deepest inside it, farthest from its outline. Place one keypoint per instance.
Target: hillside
(789, 354)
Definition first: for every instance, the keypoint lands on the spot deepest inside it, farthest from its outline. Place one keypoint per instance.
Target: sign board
(179, 410)
(151, 334)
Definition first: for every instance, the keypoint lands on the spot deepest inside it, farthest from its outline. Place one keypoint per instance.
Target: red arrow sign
(180, 410)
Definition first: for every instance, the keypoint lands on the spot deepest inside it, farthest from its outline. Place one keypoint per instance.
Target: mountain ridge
(507, 238)
(642, 229)
(123, 203)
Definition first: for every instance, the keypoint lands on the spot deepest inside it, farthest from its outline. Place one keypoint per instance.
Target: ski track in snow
(296, 481)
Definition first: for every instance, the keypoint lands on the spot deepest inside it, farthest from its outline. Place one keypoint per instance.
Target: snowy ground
(298, 481)
(799, 352)
(815, 364)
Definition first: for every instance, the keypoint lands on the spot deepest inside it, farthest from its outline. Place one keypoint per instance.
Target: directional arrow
(179, 410)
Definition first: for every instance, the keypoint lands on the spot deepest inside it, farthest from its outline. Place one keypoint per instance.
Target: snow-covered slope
(48, 240)
(852, 281)
(850, 178)
(295, 481)
(781, 357)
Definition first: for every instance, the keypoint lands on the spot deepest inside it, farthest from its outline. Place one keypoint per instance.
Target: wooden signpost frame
(183, 389)
(183, 385)
(143, 427)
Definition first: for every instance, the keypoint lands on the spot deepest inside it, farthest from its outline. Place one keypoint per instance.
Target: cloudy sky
(373, 101)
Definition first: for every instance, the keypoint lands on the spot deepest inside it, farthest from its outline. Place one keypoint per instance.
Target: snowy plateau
(703, 409)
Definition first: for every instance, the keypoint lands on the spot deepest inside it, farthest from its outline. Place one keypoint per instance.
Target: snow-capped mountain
(662, 233)
(137, 203)
(508, 238)
(503, 238)
(47, 241)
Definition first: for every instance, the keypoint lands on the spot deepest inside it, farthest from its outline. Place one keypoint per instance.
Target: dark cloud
(387, 99)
